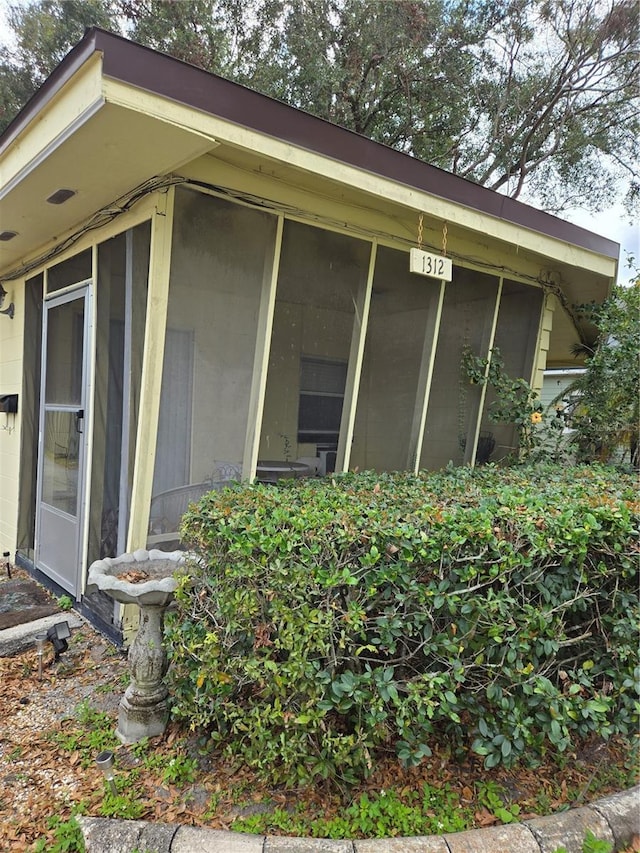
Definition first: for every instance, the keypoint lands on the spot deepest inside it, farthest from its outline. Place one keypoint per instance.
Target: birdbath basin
(144, 578)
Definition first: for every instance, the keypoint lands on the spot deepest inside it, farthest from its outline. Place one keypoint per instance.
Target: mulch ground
(39, 778)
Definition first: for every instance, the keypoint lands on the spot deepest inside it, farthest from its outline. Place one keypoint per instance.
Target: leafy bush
(515, 401)
(606, 417)
(326, 619)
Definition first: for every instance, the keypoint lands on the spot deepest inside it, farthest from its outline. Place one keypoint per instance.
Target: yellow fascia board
(223, 131)
(68, 110)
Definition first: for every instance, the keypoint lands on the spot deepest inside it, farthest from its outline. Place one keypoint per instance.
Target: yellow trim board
(225, 132)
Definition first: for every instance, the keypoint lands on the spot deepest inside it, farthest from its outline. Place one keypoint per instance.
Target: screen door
(62, 440)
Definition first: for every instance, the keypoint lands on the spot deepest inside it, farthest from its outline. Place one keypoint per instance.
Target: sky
(612, 223)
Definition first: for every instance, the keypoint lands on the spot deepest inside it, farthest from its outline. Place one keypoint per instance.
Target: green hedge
(492, 609)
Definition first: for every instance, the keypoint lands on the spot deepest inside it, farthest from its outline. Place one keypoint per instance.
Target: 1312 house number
(434, 266)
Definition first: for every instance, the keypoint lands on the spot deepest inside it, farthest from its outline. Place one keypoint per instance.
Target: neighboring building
(556, 381)
(208, 282)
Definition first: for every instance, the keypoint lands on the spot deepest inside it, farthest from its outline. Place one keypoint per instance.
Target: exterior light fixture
(58, 635)
(41, 639)
(60, 196)
(5, 236)
(11, 309)
(105, 763)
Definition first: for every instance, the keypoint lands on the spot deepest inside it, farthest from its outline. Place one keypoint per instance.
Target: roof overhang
(115, 114)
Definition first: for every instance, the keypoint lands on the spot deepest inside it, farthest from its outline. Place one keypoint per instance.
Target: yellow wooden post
(261, 358)
(151, 385)
(356, 355)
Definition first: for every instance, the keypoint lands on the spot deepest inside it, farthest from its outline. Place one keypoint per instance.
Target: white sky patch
(6, 33)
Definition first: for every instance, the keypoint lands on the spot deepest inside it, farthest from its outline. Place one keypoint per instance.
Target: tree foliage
(44, 32)
(523, 96)
(606, 416)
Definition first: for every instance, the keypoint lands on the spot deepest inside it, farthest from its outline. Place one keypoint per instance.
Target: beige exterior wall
(11, 336)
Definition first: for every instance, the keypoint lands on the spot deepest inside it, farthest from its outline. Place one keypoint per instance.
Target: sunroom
(209, 285)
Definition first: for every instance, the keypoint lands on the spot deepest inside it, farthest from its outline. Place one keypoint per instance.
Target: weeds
(126, 806)
(179, 769)
(389, 813)
(67, 837)
(95, 734)
(491, 796)
(591, 844)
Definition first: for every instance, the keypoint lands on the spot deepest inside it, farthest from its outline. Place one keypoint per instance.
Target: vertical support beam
(90, 366)
(483, 390)
(151, 381)
(356, 355)
(123, 496)
(261, 357)
(101, 383)
(150, 386)
(425, 377)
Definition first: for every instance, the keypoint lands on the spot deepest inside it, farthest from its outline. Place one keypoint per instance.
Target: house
(556, 381)
(208, 283)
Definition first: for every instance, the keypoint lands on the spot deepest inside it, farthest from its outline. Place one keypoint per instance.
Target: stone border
(615, 819)
(22, 637)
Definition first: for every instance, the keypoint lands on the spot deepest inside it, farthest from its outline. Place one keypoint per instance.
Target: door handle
(79, 417)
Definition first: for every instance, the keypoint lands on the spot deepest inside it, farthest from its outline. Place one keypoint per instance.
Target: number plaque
(434, 266)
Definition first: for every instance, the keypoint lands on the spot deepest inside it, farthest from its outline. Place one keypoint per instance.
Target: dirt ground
(41, 775)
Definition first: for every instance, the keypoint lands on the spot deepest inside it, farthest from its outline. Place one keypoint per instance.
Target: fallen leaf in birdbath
(134, 576)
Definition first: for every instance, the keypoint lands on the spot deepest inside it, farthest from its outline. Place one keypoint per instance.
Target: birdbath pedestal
(144, 578)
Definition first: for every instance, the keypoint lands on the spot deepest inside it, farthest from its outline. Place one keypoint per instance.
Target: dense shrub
(491, 609)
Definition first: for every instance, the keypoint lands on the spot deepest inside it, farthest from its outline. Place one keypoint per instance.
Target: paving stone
(283, 844)
(102, 835)
(622, 813)
(415, 844)
(568, 829)
(494, 839)
(157, 837)
(189, 839)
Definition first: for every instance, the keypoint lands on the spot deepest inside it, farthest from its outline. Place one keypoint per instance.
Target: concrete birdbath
(144, 578)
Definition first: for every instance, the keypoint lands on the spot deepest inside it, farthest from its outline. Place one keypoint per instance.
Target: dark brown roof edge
(161, 74)
(76, 57)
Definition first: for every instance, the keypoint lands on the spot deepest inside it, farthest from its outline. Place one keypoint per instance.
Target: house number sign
(434, 266)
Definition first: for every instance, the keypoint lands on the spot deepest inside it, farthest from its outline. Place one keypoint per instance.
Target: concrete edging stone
(19, 638)
(615, 818)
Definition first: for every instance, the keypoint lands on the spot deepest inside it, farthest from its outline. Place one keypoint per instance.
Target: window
(322, 383)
